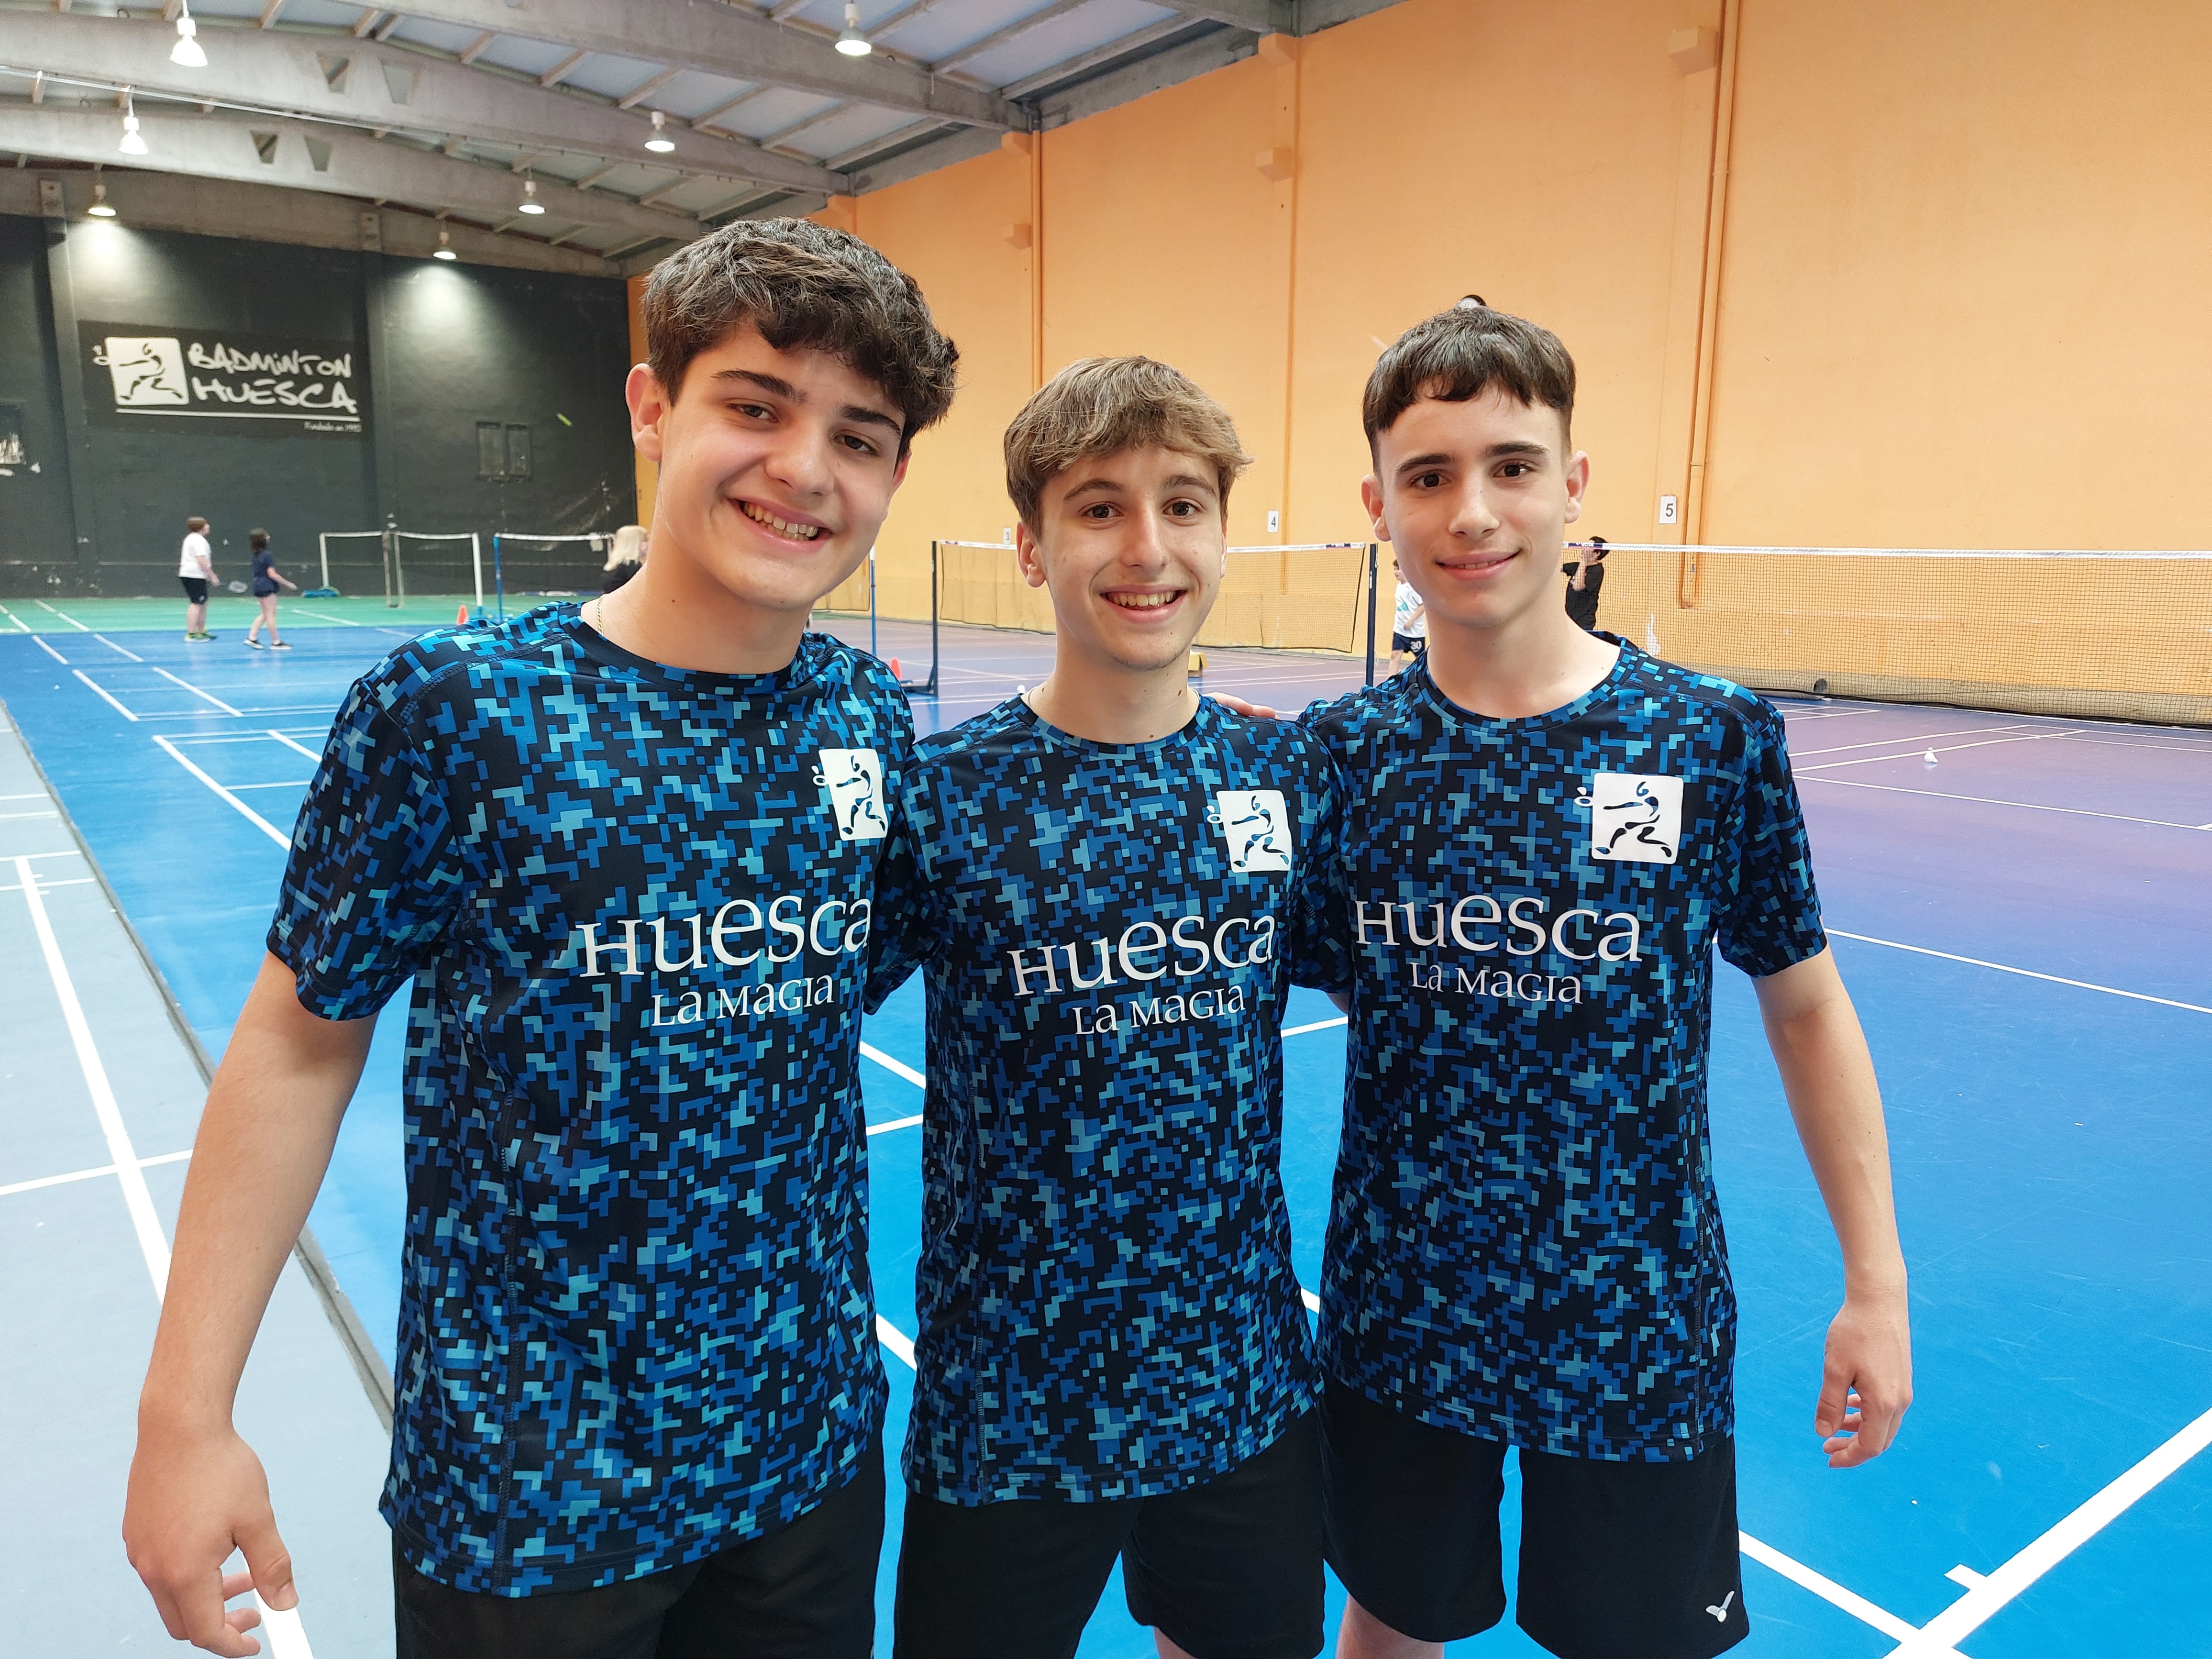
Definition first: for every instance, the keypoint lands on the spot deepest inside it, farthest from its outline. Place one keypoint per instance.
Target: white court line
(2177, 748)
(896, 1339)
(1991, 800)
(111, 645)
(13, 617)
(39, 641)
(36, 795)
(110, 702)
(895, 1123)
(292, 742)
(29, 815)
(84, 1175)
(2024, 973)
(152, 1244)
(321, 615)
(1925, 737)
(1312, 1302)
(49, 886)
(1986, 1600)
(286, 783)
(1830, 1591)
(196, 692)
(66, 618)
(1915, 754)
(890, 1065)
(250, 816)
(1318, 1026)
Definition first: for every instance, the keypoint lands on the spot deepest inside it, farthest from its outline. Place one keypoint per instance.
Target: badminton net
(2123, 634)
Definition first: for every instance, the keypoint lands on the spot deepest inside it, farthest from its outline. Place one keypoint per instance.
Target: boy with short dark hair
(1546, 833)
(1114, 886)
(624, 853)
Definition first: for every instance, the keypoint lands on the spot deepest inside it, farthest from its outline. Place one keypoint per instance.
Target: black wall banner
(214, 381)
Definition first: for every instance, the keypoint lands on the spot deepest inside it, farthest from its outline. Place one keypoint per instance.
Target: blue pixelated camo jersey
(1107, 1302)
(635, 1321)
(1524, 1242)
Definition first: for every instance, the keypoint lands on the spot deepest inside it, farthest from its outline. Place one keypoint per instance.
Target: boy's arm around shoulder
(197, 1490)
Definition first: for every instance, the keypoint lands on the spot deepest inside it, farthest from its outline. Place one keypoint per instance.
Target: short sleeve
(902, 931)
(374, 877)
(1321, 957)
(1774, 920)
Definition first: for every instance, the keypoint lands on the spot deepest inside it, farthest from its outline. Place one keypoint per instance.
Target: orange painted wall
(1957, 298)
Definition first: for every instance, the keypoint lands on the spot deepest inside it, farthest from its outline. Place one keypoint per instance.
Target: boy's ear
(1029, 554)
(649, 404)
(1578, 481)
(1370, 497)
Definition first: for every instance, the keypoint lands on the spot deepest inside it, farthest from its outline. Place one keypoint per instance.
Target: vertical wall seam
(76, 428)
(1290, 286)
(1037, 260)
(1693, 508)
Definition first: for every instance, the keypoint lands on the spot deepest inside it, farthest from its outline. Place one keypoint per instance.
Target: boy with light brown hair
(1111, 886)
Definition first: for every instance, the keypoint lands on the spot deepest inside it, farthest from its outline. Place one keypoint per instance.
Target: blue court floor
(2022, 921)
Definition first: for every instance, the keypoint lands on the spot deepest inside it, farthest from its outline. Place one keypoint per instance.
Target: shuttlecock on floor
(1929, 757)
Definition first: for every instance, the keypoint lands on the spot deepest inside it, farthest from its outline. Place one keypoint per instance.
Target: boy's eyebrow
(1103, 485)
(776, 384)
(1495, 451)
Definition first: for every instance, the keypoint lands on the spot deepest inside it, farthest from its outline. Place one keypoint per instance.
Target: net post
(323, 542)
(1373, 565)
(391, 562)
(476, 558)
(498, 584)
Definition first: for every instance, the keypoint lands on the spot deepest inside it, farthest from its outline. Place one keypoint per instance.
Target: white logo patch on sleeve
(1256, 826)
(1635, 817)
(854, 779)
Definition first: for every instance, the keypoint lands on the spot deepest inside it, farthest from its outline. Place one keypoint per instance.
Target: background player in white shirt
(196, 571)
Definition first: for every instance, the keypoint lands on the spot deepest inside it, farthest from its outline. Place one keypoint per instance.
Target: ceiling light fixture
(530, 202)
(187, 51)
(445, 250)
(132, 144)
(660, 143)
(850, 40)
(99, 210)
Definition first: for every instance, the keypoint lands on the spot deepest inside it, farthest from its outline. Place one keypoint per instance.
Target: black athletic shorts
(1228, 1570)
(1617, 1560)
(1411, 644)
(194, 588)
(804, 1591)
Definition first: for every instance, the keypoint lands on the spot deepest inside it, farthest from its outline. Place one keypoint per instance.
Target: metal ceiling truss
(361, 81)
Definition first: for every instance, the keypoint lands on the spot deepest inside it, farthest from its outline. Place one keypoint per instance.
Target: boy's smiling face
(1132, 547)
(777, 468)
(1476, 498)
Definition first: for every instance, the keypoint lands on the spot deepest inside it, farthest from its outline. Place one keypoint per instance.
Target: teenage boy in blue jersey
(1114, 885)
(1546, 833)
(639, 1400)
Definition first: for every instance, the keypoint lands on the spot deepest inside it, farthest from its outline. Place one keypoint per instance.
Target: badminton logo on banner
(197, 380)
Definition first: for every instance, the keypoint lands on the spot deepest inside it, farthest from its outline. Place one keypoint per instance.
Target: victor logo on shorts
(1257, 827)
(854, 779)
(1635, 818)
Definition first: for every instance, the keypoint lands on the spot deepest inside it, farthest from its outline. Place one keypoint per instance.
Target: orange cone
(895, 670)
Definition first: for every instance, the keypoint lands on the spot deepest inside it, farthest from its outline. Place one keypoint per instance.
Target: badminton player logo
(1257, 827)
(854, 779)
(148, 372)
(1634, 818)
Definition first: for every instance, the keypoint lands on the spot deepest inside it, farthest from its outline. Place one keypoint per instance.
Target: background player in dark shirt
(634, 1425)
(1114, 884)
(1547, 834)
(1585, 581)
